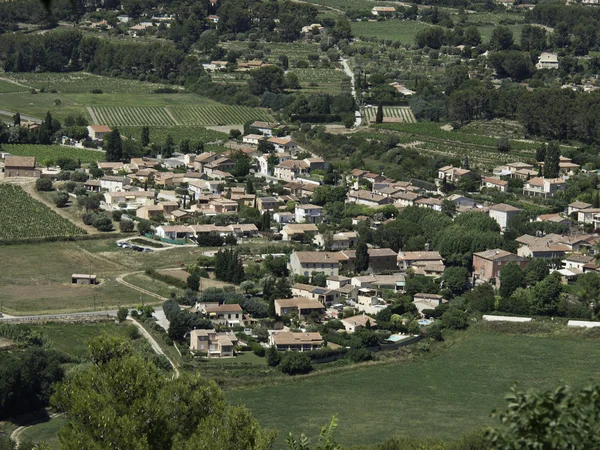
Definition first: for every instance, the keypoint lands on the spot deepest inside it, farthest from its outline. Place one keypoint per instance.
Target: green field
(159, 134)
(7, 86)
(45, 432)
(403, 31)
(23, 217)
(53, 152)
(439, 397)
(401, 112)
(36, 278)
(73, 338)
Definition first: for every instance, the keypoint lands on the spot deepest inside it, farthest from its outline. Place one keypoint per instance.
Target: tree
(126, 226)
(272, 356)
(113, 146)
(501, 39)
(552, 160)
(503, 145)
(511, 278)
(144, 227)
(247, 285)
(43, 184)
(61, 199)
(168, 147)
(17, 119)
(265, 221)
(536, 270)
(448, 207)
(193, 281)
(145, 136)
(540, 153)
(266, 79)
(561, 419)
(122, 314)
(103, 223)
(250, 186)
(138, 399)
(319, 279)
(547, 295)
(325, 442)
(362, 257)
(455, 279)
(379, 114)
(455, 319)
(294, 363)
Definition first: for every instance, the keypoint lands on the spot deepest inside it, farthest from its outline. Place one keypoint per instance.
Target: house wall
(18, 172)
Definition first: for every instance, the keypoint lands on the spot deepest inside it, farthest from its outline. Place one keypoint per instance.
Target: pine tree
(552, 161)
(379, 115)
(362, 257)
(145, 136)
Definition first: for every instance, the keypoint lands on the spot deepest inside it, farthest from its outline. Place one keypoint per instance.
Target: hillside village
(359, 251)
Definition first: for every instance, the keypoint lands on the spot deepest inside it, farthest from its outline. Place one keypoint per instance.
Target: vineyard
(52, 153)
(178, 115)
(159, 134)
(7, 86)
(401, 112)
(22, 217)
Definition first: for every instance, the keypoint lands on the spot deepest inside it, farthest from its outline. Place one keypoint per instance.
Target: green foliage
(455, 319)
(122, 314)
(294, 363)
(273, 357)
(325, 441)
(547, 296)
(420, 284)
(511, 278)
(362, 257)
(43, 184)
(455, 279)
(228, 266)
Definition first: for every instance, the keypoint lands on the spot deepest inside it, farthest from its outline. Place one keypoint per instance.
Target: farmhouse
(113, 183)
(266, 128)
(253, 139)
(97, 132)
(20, 166)
(80, 278)
(300, 342)
(383, 11)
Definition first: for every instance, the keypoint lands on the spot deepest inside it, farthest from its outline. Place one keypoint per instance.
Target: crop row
(133, 115)
(323, 75)
(217, 115)
(22, 217)
(51, 153)
(476, 154)
(159, 134)
(402, 112)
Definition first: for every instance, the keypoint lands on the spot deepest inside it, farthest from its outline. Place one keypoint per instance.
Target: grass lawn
(438, 397)
(73, 338)
(36, 278)
(396, 30)
(45, 432)
(158, 287)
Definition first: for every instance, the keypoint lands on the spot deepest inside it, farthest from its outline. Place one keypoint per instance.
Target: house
(323, 295)
(80, 278)
(461, 201)
(148, 212)
(228, 314)
(550, 246)
(494, 183)
(430, 203)
(253, 139)
(544, 187)
(338, 241)
(20, 166)
(168, 179)
(111, 166)
(204, 158)
(218, 164)
(547, 61)
(113, 183)
(369, 300)
(487, 264)
(337, 282)
(503, 214)
(291, 169)
(129, 199)
(223, 206)
(199, 187)
(283, 144)
(300, 342)
(267, 204)
(179, 216)
(383, 11)
(97, 132)
(452, 174)
(577, 262)
(367, 198)
(406, 260)
(174, 232)
(265, 128)
(395, 282)
(308, 213)
(404, 199)
(402, 89)
(356, 323)
(510, 169)
(283, 217)
(427, 301)
(298, 306)
(553, 218)
(298, 231)
(312, 28)
(92, 185)
(214, 344)
(577, 206)
(380, 260)
(588, 215)
(305, 263)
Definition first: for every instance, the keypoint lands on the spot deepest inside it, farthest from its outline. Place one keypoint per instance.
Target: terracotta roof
(19, 161)
(497, 181)
(503, 207)
(234, 307)
(360, 320)
(287, 338)
(317, 257)
(100, 128)
(419, 256)
(495, 254)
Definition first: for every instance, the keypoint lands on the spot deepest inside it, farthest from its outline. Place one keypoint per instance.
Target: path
(154, 344)
(350, 73)
(175, 121)
(92, 115)
(18, 431)
(27, 118)
(120, 279)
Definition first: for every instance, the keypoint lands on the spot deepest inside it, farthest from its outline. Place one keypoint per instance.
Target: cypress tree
(362, 257)
(379, 115)
(552, 161)
(114, 146)
(145, 136)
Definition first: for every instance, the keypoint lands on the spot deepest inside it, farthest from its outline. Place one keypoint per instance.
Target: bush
(455, 319)
(203, 273)
(43, 184)
(359, 355)
(133, 332)
(103, 223)
(258, 350)
(294, 363)
(89, 217)
(273, 357)
(79, 191)
(126, 226)
(79, 176)
(70, 186)
(116, 215)
(61, 199)
(168, 340)
(122, 314)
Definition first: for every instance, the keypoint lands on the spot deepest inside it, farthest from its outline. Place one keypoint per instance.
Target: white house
(114, 184)
(544, 187)
(252, 139)
(308, 213)
(283, 144)
(503, 213)
(494, 183)
(547, 61)
(97, 132)
(266, 128)
(383, 10)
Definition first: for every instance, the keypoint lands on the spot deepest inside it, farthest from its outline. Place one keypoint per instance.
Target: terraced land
(395, 112)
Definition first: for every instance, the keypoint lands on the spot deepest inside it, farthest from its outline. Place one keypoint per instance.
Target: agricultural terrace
(272, 50)
(23, 217)
(395, 112)
(77, 83)
(403, 31)
(455, 390)
(53, 153)
(348, 5)
(159, 134)
(330, 81)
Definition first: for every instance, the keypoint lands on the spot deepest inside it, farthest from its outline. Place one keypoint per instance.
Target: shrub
(122, 314)
(43, 184)
(133, 332)
(258, 350)
(89, 217)
(80, 191)
(116, 215)
(359, 355)
(203, 273)
(126, 226)
(102, 223)
(273, 357)
(294, 363)
(168, 340)
(79, 176)
(70, 186)
(61, 199)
